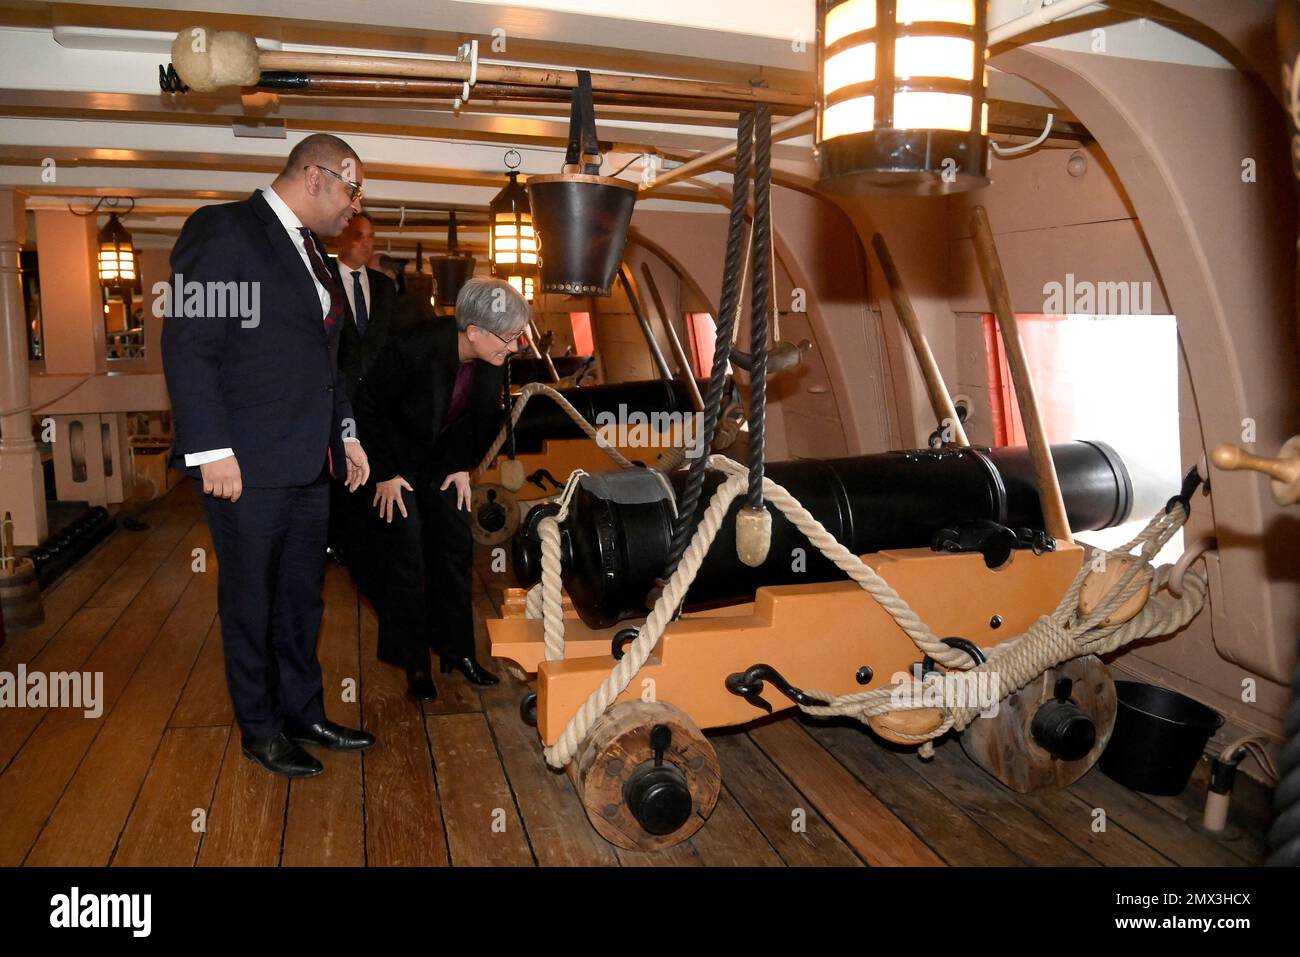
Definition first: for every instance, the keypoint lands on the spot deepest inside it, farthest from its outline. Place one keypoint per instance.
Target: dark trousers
(271, 551)
(417, 574)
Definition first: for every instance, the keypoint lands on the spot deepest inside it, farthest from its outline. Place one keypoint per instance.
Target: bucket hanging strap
(582, 128)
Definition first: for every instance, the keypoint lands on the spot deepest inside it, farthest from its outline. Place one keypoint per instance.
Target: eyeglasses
(354, 189)
(503, 339)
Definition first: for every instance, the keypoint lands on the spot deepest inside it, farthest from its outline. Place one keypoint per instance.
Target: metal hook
(467, 51)
(748, 684)
(1191, 554)
(169, 80)
(518, 159)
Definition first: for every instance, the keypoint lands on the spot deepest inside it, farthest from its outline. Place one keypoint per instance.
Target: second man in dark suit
(369, 300)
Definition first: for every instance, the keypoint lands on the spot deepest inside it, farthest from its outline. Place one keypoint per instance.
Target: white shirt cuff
(350, 438)
(203, 458)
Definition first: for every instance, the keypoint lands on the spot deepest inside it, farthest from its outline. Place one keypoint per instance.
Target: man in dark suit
(429, 408)
(370, 298)
(263, 423)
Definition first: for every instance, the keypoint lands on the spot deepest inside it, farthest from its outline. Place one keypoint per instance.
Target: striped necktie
(335, 314)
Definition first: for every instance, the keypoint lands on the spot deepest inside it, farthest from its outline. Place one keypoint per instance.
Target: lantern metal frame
(508, 214)
(115, 241)
(885, 159)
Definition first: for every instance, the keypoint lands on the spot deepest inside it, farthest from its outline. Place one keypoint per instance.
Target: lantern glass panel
(511, 244)
(849, 18)
(914, 110)
(933, 56)
(854, 65)
(850, 116)
(936, 11)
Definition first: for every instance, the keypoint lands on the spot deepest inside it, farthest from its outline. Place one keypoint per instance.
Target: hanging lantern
(581, 217)
(451, 269)
(901, 96)
(117, 270)
(512, 242)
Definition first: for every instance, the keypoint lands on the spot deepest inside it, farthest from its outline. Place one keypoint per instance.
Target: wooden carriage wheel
(1008, 747)
(634, 800)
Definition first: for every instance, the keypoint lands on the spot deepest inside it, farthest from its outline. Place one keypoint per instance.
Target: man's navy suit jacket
(269, 388)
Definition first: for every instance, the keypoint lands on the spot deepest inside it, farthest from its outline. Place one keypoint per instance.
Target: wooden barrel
(20, 597)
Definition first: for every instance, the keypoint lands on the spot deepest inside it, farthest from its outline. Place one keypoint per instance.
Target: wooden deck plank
(1061, 812)
(66, 651)
(873, 831)
(34, 780)
(404, 825)
(161, 829)
(205, 701)
(69, 594)
(121, 587)
(552, 813)
(730, 839)
(483, 825)
(796, 831)
(679, 855)
(1167, 834)
(88, 819)
(929, 812)
(246, 820)
(326, 824)
(998, 810)
(1247, 832)
(455, 694)
(65, 640)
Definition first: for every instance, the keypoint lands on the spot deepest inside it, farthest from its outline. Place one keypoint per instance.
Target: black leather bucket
(581, 222)
(581, 217)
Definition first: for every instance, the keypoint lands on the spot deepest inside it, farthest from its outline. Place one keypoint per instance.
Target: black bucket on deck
(1158, 738)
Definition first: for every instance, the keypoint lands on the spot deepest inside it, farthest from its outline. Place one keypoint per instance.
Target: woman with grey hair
(429, 407)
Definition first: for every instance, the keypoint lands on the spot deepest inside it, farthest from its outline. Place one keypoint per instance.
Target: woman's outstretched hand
(388, 494)
(461, 480)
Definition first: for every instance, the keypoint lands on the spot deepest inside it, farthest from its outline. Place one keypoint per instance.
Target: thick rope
(1051, 640)
(669, 460)
(552, 597)
(541, 388)
(635, 654)
(759, 301)
(729, 306)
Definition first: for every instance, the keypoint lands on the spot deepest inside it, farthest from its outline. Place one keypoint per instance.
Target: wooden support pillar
(22, 479)
(91, 456)
(72, 309)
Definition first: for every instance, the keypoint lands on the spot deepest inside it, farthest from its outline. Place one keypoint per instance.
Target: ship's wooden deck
(159, 778)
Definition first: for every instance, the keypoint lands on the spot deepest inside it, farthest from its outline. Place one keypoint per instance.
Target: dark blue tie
(359, 298)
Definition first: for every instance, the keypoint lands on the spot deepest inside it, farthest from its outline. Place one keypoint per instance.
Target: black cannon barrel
(526, 369)
(616, 538)
(543, 419)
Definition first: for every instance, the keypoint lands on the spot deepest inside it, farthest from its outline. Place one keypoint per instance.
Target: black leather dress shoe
(336, 554)
(420, 685)
(327, 734)
(279, 755)
(470, 668)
